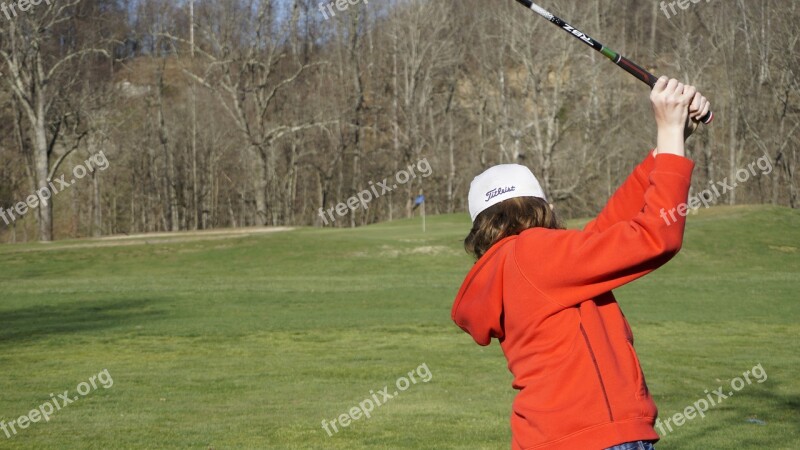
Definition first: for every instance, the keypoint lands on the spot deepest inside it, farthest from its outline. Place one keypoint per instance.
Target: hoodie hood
(478, 308)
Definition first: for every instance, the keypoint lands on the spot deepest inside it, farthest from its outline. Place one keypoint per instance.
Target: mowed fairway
(250, 342)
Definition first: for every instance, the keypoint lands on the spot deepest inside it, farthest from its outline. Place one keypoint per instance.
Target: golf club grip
(647, 77)
(636, 70)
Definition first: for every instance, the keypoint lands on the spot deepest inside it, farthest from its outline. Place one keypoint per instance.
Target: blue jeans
(638, 445)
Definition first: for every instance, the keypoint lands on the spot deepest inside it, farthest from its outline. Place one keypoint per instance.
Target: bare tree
(247, 71)
(38, 76)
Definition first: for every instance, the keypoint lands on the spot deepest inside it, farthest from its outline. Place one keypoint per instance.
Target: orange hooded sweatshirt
(546, 296)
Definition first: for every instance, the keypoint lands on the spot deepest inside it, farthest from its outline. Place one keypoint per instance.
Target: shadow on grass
(768, 404)
(37, 322)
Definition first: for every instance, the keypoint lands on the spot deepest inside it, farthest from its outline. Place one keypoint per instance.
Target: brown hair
(508, 218)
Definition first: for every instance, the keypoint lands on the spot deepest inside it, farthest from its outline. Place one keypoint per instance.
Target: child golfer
(545, 292)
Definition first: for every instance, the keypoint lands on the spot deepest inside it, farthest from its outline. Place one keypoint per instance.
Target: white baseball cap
(501, 183)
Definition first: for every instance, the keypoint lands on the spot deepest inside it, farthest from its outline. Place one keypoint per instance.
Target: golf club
(629, 66)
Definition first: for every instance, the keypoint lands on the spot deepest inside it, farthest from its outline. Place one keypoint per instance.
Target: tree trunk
(96, 212)
(261, 184)
(169, 181)
(41, 173)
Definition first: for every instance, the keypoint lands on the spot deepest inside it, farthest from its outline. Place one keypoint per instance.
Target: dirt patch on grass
(146, 239)
(387, 251)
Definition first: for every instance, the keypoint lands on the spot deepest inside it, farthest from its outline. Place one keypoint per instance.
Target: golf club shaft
(628, 65)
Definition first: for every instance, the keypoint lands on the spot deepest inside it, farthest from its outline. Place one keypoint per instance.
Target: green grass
(250, 342)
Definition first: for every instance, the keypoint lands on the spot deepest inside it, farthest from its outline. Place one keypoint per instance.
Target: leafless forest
(234, 113)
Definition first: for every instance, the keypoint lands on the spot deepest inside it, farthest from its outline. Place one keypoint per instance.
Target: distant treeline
(232, 113)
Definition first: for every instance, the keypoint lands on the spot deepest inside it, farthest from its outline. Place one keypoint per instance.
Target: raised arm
(571, 267)
(628, 200)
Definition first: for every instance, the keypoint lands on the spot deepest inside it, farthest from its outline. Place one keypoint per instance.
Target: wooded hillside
(271, 110)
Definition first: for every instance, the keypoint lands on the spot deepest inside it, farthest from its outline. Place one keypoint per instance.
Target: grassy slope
(250, 342)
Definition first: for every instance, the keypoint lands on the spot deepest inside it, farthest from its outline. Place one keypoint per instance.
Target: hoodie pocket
(641, 385)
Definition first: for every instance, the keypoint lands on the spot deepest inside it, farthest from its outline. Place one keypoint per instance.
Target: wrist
(673, 148)
(671, 129)
(671, 141)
